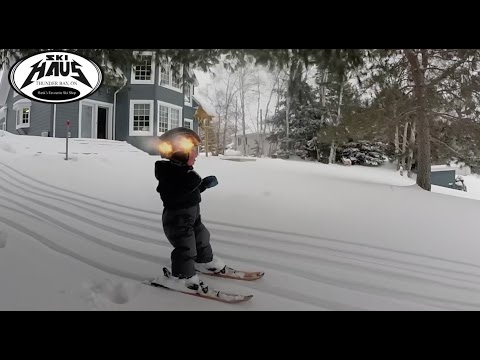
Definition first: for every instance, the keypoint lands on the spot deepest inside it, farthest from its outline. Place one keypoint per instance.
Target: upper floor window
(187, 93)
(143, 72)
(170, 80)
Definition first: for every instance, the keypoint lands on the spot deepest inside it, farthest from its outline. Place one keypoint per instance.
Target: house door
(95, 120)
(102, 123)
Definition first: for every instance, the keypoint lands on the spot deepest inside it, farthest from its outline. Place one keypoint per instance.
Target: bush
(364, 153)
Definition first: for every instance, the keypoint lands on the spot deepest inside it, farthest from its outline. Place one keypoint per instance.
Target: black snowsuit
(180, 187)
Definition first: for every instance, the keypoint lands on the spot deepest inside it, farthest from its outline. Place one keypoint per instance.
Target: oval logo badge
(55, 77)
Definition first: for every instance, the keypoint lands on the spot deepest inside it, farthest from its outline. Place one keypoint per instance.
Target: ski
(230, 273)
(205, 292)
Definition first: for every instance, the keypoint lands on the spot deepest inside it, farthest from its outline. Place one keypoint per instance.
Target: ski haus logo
(55, 77)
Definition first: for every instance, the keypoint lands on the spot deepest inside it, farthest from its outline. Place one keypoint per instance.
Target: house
(151, 101)
(249, 144)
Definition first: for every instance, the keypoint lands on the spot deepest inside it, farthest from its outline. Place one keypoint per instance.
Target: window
(169, 116)
(165, 75)
(188, 94)
(188, 123)
(141, 118)
(239, 141)
(168, 79)
(144, 71)
(22, 113)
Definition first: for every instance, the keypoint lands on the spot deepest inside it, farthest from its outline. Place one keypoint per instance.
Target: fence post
(68, 134)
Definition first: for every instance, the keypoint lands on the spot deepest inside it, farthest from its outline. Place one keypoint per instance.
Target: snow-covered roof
(205, 104)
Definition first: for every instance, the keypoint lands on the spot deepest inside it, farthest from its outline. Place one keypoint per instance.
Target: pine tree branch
(461, 156)
(448, 116)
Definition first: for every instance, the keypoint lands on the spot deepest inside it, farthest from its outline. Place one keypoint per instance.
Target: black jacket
(178, 184)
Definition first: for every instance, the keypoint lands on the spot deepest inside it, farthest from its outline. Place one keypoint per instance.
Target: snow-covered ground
(82, 234)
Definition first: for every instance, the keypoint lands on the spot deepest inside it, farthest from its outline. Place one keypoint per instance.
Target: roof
(205, 104)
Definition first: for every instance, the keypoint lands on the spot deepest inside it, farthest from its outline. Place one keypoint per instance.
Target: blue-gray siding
(40, 118)
(67, 112)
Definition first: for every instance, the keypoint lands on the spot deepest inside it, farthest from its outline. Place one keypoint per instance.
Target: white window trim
(130, 126)
(169, 85)
(132, 72)
(19, 116)
(191, 97)
(21, 104)
(189, 121)
(169, 106)
(95, 104)
(18, 107)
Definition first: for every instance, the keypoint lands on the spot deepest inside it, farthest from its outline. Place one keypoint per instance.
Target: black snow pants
(190, 239)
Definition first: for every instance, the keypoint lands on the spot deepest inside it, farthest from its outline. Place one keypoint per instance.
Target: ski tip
(244, 298)
(254, 276)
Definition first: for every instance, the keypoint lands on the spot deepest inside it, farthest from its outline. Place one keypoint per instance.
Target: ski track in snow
(41, 201)
(3, 239)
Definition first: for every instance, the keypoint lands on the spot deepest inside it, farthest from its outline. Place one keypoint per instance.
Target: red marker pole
(68, 133)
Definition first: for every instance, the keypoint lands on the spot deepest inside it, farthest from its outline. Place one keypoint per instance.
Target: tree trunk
(206, 137)
(397, 140)
(404, 144)
(333, 147)
(225, 135)
(411, 146)
(242, 105)
(218, 135)
(397, 147)
(287, 120)
(292, 79)
(340, 98)
(324, 103)
(424, 155)
(236, 122)
(259, 131)
(333, 152)
(260, 143)
(266, 110)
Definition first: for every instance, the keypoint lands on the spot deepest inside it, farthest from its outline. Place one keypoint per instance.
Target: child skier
(180, 187)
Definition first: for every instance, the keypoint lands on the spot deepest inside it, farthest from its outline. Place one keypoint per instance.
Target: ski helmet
(176, 144)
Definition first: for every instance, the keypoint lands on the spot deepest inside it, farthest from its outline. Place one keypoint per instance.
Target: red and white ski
(230, 273)
(205, 292)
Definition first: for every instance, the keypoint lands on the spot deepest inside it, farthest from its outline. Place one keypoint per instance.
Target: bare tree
(222, 95)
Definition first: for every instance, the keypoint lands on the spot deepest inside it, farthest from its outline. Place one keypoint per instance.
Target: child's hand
(210, 181)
